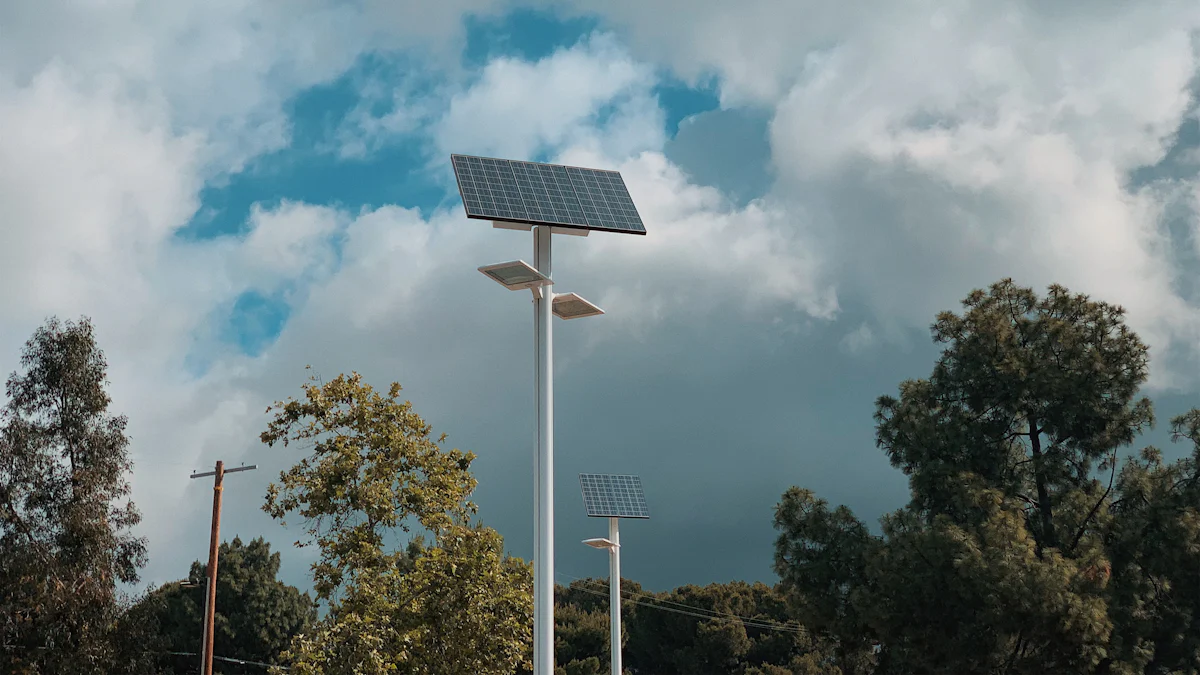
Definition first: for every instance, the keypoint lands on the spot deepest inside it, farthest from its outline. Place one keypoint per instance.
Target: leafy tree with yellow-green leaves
(1027, 546)
(374, 474)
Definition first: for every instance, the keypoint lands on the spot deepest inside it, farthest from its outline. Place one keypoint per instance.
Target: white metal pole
(543, 569)
(537, 450)
(614, 595)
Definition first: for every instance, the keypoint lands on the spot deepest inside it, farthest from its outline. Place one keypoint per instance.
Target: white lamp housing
(516, 275)
(571, 306)
(601, 543)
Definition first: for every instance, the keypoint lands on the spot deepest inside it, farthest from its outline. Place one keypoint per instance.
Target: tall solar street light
(613, 497)
(547, 199)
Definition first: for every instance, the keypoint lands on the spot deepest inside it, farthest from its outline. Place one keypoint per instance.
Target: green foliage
(257, 615)
(1154, 545)
(734, 628)
(374, 469)
(986, 601)
(822, 562)
(580, 639)
(1028, 395)
(1001, 561)
(458, 605)
(65, 517)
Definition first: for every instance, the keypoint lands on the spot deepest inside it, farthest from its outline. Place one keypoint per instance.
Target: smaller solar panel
(613, 496)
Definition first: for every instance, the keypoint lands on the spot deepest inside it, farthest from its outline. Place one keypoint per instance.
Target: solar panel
(545, 194)
(613, 496)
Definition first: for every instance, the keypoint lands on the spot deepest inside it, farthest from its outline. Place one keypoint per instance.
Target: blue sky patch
(256, 321)
(397, 169)
(528, 34)
(396, 172)
(309, 170)
(681, 101)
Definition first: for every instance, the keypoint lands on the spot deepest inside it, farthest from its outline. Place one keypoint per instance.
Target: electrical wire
(633, 596)
(227, 659)
(710, 617)
(687, 610)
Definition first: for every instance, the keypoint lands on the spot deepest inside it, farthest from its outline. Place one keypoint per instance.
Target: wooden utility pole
(214, 543)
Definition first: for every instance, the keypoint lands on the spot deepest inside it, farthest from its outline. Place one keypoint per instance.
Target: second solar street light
(614, 497)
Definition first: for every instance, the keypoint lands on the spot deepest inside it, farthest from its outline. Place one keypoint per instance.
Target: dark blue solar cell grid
(489, 188)
(613, 496)
(605, 201)
(545, 194)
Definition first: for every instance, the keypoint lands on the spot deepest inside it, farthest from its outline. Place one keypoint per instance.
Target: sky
(235, 189)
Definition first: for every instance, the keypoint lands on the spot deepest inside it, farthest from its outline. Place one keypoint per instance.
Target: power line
(228, 659)
(605, 584)
(711, 617)
(687, 610)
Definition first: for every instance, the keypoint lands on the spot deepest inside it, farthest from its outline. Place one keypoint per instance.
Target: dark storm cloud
(727, 149)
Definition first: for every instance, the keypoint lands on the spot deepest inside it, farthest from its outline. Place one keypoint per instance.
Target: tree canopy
(257, 614)
(65, 513)
(374, 474)
(736, 628)
(1036, 539)
(1023, 548)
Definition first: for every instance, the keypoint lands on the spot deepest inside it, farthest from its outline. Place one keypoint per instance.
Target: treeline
(1037, 539)
(719, 628)
(735, 627)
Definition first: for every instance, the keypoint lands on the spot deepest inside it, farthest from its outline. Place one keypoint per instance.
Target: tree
(375, 474)
(822, 559)
(998, 564)
(1154, 546)
(581, 625)
(257, 615)
(735, 628)
(1028, 395)
(580, 639)
(65, 513)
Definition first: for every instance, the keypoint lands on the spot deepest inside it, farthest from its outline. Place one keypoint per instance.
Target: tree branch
(1043, 490)
(1095, 507)
(1018, 646)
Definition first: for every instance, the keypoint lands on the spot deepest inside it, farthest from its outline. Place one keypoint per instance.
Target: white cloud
(522, 109)
(943, 146)
(700, 250)
(1021, 169)
(223, 68)
(91, 185)
(286, 242)
(364, 131)
(922, 151)
(859, 340)
(113, 138)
